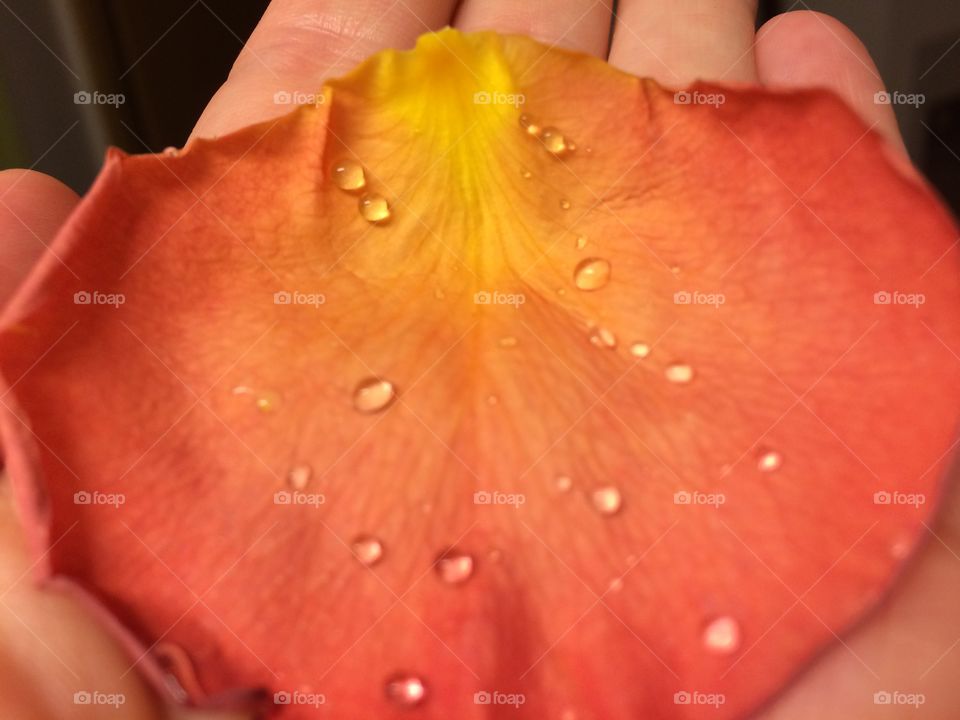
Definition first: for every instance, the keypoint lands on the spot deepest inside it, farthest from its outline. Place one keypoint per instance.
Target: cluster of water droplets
(349, 176)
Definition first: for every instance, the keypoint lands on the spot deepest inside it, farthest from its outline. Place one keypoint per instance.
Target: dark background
(168, 57)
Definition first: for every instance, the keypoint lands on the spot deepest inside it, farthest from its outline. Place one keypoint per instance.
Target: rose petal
(660, 358)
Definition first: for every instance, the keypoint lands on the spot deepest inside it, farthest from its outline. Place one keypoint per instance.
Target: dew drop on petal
(592, 273)
(368, 550)
(530, 125)
(454, 567)
(374, 208)
(492, 400)
(299, 476)
(373, 395)
(171, 151)
(679, 373)
(563, 483)
(554, 141)
(564, 204)
(769, 460)
(405, 691)
(265, 401)
(722, 635)
(268, 401)
(640, 350)
(571, 146)
(349, 175)
(581, 242)
(616, 585)
(603, 338)
(607, 500)
(526, 174)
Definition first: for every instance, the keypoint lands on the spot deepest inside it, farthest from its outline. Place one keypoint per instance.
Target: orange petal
(626, 429)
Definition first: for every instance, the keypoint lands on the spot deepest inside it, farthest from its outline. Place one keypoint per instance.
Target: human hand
(299, 43)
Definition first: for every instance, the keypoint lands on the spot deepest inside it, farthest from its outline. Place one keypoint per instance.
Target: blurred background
(165, 58)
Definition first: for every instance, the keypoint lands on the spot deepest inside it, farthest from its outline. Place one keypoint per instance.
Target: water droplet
(554, 141)
(349, 175)
(454, 567)
(374, 208)
(405, 691)
(368, 549)
(171, 151)
(264, 400)
(640, 350)
(495, 555)
(507, 342)
(373, 395)
(299, 476)
(591, 274)
(571, 146)
(675, 269)
(563, 483)
(900, 549)
(603, 338)
(581, 242)
(679, 373)
(616, 585)
(607, 500)
(722, 635)
(769, 460)
(564, 204)
(530, 125)
(492, 400)
(526, 174)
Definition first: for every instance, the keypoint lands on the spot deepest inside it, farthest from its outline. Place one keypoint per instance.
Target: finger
(680, 41)
(808, 49)
(299, 43)
(33, 206)
(582, 25)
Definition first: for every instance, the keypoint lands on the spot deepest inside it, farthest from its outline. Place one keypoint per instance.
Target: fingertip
(804, 49)
(33, 207)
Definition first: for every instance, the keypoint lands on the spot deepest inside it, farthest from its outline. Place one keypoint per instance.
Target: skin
(53, 648)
